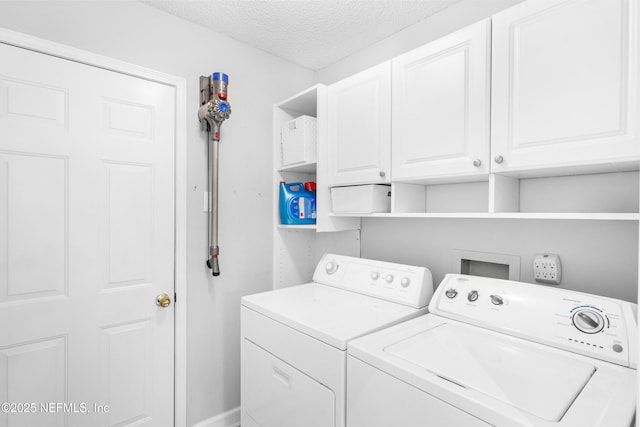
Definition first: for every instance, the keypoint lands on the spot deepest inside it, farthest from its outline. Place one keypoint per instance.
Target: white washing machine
(500, 353)
(294, 340)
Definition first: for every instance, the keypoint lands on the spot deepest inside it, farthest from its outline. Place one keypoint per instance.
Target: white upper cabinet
(359, 128)
(440, 99)
(565, 85)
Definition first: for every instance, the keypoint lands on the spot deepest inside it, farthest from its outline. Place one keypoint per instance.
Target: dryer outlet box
(547, 269)
(487, 264)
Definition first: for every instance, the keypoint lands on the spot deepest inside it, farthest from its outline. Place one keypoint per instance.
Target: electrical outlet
(547, 269)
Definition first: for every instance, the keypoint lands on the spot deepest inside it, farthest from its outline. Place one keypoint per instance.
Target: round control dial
(405, 282)
(588, 321)
(389, 278)
(472, 296)
(375, 275)
(331, 267)
(451, 293)
(496, 300)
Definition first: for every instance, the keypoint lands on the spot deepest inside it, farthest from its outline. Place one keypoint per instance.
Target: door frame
(48, 47)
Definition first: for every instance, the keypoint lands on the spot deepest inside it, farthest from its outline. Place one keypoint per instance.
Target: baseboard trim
(227, 419)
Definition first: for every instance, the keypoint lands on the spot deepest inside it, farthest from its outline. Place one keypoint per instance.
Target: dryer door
(279, 395)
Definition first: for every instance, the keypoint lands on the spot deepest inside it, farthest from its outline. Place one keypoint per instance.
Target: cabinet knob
(499, 159)
(382, 174)
(477, 163)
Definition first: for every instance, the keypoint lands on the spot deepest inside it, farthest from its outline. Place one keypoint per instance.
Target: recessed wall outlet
(486, 264)
(547, 269)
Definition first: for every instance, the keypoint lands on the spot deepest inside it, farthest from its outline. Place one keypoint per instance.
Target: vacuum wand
(214, 109)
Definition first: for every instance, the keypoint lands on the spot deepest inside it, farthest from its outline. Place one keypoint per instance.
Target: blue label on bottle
(297, 205)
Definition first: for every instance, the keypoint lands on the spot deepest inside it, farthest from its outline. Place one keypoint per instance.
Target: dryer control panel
(599, 327)
(404, 284)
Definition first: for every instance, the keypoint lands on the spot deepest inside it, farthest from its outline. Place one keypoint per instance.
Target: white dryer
(500, 353)
(294, 340)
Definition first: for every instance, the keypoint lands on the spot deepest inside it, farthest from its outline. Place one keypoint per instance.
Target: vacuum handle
(212, 263)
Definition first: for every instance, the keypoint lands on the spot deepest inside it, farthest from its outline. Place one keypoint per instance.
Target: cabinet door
(359, 128)
(441, 107)
(565, 84)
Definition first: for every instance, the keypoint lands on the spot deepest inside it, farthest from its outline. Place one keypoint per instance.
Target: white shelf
(506, 215)
(309, 167)
(298, 226)
(305, 102)
(590, 197)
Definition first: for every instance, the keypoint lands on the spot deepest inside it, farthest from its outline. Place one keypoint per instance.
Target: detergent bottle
(297, 205)
(311, 188)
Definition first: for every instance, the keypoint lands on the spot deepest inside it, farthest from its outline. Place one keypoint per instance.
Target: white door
(86, 244)
(359, 128)
(565, 84)
(440, 99)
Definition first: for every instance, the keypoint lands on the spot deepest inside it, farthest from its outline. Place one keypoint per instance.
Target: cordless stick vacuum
(214, 109)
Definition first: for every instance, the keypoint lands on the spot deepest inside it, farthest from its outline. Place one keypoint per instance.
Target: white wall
(142, 35)
(597, 257)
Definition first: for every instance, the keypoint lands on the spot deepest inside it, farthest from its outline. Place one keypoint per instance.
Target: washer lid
(331, 315)
(540, 382)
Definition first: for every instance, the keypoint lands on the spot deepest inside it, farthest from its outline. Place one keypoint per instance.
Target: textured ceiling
(311, 33)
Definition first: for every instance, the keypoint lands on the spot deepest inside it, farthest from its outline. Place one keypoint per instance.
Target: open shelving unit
(297, 248)
(611, 196)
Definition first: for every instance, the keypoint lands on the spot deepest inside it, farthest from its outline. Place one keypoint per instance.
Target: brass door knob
(163, 300)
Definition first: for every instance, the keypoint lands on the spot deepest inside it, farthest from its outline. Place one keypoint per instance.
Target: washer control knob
(588, 321)
(451, 293)
(405, 282)
(617, 348)
(472, 296)
(496, 300)
(389, 278)
(375, 275)
(331, 267)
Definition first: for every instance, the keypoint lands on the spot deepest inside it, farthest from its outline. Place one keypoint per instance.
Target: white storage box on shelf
(361, 199)
(298, 141)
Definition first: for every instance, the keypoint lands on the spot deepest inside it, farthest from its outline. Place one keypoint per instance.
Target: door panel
(129, 389)
(19, 364)
(128, 221)
(359, 128)
(565, 84)
(441, 107)
(86, 209)
(29, 182)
